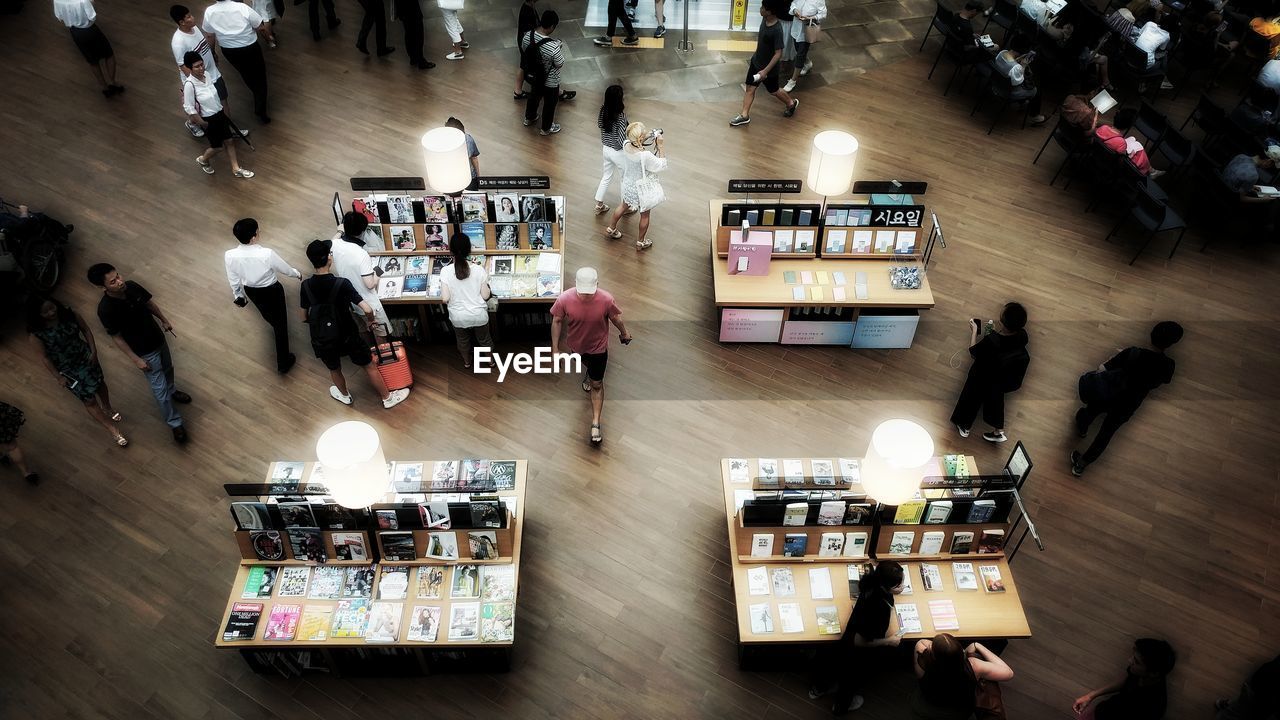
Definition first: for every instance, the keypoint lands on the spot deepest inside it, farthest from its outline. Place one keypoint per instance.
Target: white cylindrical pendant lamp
(352, 463)
(444, 151)
(831, 162)
(896, 461)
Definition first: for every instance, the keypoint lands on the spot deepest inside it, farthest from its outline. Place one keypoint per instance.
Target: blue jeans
(160, 377)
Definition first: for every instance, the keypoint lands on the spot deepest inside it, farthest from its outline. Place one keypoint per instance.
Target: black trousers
(248, 61)
(313, 14)
(270, 303)
(548, 96)
(410, 14)
(375, 18)
(618, 11)
(979, 393)
(1115, 417)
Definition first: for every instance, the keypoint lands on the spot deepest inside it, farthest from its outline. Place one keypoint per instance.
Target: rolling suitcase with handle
(393, 363)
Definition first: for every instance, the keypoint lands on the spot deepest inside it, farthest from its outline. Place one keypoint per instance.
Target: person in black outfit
(1118, 388)
(410, 14)
(375, 18)
(1000, 362)
(1259, 696)
(1141, 695)
(866, 644)
(313, 15)
(618, 11)
(526, 24)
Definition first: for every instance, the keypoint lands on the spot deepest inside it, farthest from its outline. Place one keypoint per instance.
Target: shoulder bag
(812, 31)
(648, 190)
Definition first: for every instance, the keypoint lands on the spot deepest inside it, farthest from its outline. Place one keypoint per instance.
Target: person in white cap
(583, 314)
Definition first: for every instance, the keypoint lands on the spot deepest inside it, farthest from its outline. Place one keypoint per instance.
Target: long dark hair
(460, 248)
(948, 679)
(35, 322)
(886, 576)
(613, 106)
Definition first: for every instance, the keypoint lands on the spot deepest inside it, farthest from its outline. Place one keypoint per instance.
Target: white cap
(586, 280)
(1273, 152)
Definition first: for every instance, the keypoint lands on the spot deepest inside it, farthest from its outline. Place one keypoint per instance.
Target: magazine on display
(384, 622)
(390, 287)
(350, 618)
(260, 582)
(964, 577)
(391, 265)
(962, 543)
(506, 208)
(533, 208)
(283, 622)
(789, 617)
(486, 513)
(466, 582)
(293, 581)
(498, 583)
(540, 237)
(758, 580)
(444, 475)
(855, 544)
(524, 285)
(315, 622)
(507, 236)
(358, 582)
(435, 209)
(762, 544)
(502, 474)
(930, 577)
(475, 233)
(393, 583)
(761, 618)
(901, 543)
(398, 546)
(435, 238)
(399, 209)
(287, 472)
(424, 623)
(434, 515)
(497, 622)
(828, 620)
(243, 622)
(548, 284)
(784, 582)
(820, 583)
(401, 238)
(475, 208)
(307, 543)
(992, 581)
(386, 519)
(407, 472)
(464, 621)
(326, 583)
(297, 514)
(830, 545)
(909, 618)
(368, 207)
(414, 286)
(251, 515)
(442, 546)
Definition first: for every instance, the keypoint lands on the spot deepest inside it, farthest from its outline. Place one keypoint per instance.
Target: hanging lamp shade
(352, 463)
(831, 162)
(896, 461)
(444, 151)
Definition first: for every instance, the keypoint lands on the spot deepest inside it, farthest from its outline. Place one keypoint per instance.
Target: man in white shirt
(187, 38)
(79, 16)
(1154, 41)
(352, 261)
(236, 26)
(251, 271)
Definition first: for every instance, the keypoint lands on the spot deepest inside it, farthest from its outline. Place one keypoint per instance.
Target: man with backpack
(326, 302)
(1000, 361)
(1118, 387)
(541, 58)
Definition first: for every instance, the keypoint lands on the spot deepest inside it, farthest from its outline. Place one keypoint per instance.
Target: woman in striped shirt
(613, 133)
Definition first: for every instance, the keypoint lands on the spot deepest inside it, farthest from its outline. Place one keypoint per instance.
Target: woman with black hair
(464, 288)
(613, 133)
(1000, 362)
(862, 647)
(65, 346)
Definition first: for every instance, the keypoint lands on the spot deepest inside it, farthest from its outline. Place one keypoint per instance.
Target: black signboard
(739, 187)
(369, 184)
(874, 216)
(889, 187)
(522, 182)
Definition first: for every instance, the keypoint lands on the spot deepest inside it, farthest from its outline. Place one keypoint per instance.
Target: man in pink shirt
(587, 310)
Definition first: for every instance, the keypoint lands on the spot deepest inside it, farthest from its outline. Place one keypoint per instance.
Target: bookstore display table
(979, 613)
(412, 586)
(811, 297)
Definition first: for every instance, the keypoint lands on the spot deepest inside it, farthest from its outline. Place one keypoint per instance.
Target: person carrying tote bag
(806, 29)
(452, 25)
(641, 190)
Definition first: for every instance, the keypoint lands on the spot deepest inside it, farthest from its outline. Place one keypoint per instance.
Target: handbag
(450, 4)
(648, 190)
(812, 32)
(988, 703)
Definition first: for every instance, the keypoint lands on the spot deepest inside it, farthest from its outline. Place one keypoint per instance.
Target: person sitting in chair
(1113, 137)
(1012, 63)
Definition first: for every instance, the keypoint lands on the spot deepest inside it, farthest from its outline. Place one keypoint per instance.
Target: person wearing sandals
(65, 346)
(11, 421)
(613, 134)
(464, 289)
(204, 109)
(806, 27)
(582, 314)
(640, 190)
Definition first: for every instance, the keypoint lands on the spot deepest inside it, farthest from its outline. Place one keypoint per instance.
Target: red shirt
(1114, 141)
(587, 318)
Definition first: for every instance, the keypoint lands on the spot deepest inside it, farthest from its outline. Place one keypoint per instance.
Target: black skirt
(219, 129)
(93, 45)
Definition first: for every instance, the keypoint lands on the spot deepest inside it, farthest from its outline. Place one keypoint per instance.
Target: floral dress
(637, 164)
(70, 355)
(11, 418)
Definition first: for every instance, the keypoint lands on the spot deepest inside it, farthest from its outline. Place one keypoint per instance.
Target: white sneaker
(963, 432)
(395, 398)
(791, 85)
(808, 65)
(995, 437)
(555, 128)
(336, 394)
(195, 130)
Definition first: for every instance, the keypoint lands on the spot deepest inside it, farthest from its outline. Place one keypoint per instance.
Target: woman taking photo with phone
(66, 348)
(640, 189)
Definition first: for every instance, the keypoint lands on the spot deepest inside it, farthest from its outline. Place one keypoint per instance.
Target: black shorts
(355, 350)
(218, 130)
(595, 364)
(93, 45)
(769, 81)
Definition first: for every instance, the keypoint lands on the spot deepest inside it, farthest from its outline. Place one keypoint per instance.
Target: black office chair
(1156, 217)
(1000, 87)
(1133, 65)
(1070, 139)
(1210, 118)
(962, 52)
(1198, 52)
(1177, 149)
(1003, 13)
(1151, 123)
(943, 20)
(1217, 205)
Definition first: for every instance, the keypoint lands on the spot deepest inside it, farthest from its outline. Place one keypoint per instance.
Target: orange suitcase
(393, 364)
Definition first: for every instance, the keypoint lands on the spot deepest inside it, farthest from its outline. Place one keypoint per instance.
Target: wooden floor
(116, 568)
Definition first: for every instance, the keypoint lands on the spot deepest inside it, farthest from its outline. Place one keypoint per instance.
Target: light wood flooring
(116, 568)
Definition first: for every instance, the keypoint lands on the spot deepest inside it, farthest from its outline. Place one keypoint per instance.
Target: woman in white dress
(267, 9)
(640, 190)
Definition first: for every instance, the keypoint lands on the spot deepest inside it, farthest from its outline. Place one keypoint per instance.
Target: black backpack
(535, 70)
(325, 319)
